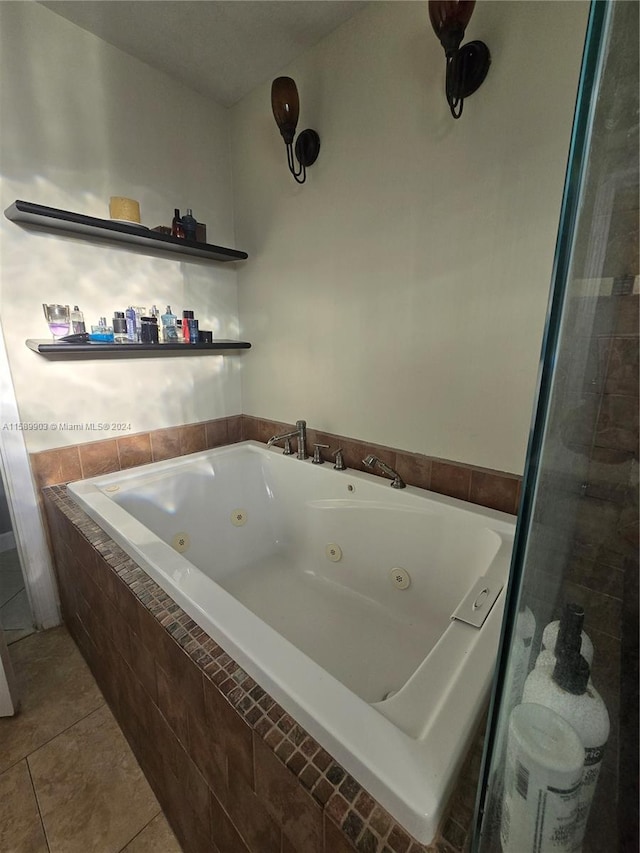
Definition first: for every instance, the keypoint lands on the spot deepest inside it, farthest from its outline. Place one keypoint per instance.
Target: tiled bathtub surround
(229, 766)
(494, 489)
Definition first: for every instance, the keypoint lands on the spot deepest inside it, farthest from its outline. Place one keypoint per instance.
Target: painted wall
(399, 295)
(82, 121)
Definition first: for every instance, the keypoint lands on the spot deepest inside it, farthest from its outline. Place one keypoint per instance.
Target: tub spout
(300, 432)
(397, 482)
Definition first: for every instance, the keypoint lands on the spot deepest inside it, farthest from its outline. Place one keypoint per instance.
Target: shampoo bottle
(189, 225)
(566, 689)
(542, 782)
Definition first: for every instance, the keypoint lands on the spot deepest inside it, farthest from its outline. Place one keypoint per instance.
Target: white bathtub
(328, 638)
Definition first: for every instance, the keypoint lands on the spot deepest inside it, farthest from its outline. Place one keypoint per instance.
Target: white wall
(399, 295)
(82, 121)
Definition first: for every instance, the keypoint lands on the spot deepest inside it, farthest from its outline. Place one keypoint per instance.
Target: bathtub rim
(396, 763)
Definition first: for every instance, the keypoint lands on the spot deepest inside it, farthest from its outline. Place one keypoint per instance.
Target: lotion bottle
(542, 782)
(566, 689)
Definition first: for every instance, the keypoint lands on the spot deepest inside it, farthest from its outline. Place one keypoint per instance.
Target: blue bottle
(130, 317)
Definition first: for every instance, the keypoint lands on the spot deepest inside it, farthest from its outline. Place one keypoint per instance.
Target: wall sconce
(467, 66)
(286, 106)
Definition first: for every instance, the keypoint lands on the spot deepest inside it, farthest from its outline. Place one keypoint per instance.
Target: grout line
(53, 737)
(140, 831)
(35, 795)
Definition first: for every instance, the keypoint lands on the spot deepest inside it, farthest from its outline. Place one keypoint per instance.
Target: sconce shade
(449, 19)
(286, 106)
(467, 66)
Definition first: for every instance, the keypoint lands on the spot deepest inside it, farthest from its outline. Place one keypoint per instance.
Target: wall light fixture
(286, 106)
(467, 66)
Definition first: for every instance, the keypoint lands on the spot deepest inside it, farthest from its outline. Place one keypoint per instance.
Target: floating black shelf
(62, 350)
(89, 227)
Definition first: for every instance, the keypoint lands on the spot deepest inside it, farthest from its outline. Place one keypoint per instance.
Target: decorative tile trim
(363, 823)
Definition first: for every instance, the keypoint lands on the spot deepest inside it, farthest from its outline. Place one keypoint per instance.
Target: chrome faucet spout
(300, 432)
(396, 482)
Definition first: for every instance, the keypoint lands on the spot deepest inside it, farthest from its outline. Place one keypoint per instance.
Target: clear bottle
(77, 321)
(169, 328)
(179, 332)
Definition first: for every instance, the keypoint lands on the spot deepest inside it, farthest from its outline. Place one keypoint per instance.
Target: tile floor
(69, 782)
(15, 612)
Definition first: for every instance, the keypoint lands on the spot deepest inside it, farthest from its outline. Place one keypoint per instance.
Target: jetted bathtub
(335, 593)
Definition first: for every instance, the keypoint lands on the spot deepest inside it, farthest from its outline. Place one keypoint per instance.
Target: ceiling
(221, 48)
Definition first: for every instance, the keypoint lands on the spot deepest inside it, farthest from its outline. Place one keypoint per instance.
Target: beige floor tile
(56, 689)
(157, 837)
(93, 797)
(20, 825)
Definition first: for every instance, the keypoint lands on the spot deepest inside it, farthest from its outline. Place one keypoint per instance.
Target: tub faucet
(371, 462)
(300, 433)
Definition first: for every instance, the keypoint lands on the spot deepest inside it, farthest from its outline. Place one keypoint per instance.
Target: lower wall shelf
(56, 350)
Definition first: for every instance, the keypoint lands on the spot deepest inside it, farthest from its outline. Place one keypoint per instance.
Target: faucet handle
(287, 448)
(317, 457)
(339, 464)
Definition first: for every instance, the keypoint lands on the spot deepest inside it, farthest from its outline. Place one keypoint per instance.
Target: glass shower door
(576, 552)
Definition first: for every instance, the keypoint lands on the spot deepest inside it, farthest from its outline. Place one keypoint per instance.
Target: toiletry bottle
(189, 225)
(130, 316)
(155, 313)
(568, 626)
(148, 330)
(542, 782)
(176, 225)
(119, 327)
(101, 333)
(140, 313)
(169, 331)
(194, 332)
(77, 321)
(186, 331)
(179, 332)
(567, 690)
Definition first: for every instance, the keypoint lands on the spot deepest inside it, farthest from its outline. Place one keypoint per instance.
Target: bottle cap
(187, 315)
(75, 308)
(118, 315)
(571, 672)
(168, 309)
(570, 629)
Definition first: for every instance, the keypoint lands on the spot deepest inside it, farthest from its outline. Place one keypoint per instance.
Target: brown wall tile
(450, 479)
(193, 438)
(223, 833)
(61, 465)
(414, 468)
(217, 432)
(296, 811)
(251, 817)
(99, 457)
(165, 443)
(231, 731)
(134, 450)
(494, 490)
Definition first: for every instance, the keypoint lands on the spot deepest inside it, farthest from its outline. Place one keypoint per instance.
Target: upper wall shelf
(89, 227)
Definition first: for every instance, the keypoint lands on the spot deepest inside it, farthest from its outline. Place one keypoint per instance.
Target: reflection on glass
(569, 658)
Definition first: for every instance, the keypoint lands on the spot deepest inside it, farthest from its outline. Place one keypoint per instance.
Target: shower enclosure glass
(577, 537)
